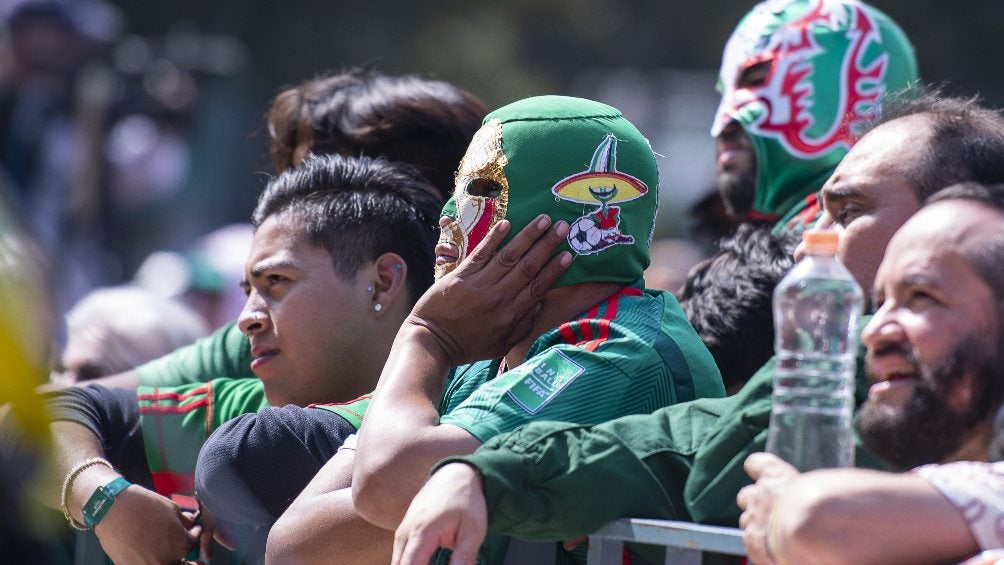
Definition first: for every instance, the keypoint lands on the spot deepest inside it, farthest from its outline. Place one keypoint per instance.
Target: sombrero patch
(603, 185)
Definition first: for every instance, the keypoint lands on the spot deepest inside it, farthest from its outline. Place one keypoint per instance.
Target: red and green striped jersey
(177, 420)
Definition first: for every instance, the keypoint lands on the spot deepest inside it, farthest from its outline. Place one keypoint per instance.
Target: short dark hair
(966, 141)
(988, 258)
(358, 209)
(728, 299)
(425, 123)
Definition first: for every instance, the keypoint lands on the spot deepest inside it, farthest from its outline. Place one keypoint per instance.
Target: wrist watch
(101, 501)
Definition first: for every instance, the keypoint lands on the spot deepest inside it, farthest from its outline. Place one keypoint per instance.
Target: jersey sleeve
(224, 353)
(112, 416)
(633, 466)
(177, 420)
(717, 473)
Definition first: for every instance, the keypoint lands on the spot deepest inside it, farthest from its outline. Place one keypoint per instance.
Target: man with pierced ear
(511, 333)
(342, 249)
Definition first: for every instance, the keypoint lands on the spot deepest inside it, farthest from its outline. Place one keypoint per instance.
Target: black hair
(966, 141)
(728, 299)
(425, 123)
(358, 209)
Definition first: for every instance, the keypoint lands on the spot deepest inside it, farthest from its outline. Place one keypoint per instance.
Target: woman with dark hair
(427, 124)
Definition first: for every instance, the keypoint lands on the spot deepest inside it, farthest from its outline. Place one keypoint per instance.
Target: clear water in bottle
(816, 311)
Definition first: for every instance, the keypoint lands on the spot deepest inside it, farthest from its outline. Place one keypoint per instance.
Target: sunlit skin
(295, 319)
(929, 298)
(870, 194)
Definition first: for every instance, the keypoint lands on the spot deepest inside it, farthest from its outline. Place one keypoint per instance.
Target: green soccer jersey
(633, 353)
(224, 353)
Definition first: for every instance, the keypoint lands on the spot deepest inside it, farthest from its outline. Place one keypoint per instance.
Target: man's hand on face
(450, 512)
(127, 532)
(489, 302)
(772, 476)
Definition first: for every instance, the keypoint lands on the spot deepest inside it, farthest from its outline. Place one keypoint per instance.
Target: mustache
(903, 350)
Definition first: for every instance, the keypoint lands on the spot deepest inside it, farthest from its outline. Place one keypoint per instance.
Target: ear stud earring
(378, 306)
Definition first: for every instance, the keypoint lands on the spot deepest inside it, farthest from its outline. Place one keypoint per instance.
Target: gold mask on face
(481, 194)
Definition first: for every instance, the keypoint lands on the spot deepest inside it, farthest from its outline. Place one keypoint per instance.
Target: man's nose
(252, 319)
(881, 330)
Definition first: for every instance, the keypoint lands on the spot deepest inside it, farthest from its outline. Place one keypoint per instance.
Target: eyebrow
(840, 193)
(918, 279)
(268, 264)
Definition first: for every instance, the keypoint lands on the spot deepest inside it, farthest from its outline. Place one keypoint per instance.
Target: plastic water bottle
(816, 311)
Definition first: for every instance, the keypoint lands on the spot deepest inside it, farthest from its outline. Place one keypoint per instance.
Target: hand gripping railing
(685, 542)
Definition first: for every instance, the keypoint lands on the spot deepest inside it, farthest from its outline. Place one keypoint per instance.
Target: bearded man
(934, 358)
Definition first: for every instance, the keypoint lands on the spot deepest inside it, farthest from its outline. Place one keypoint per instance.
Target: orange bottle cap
(821, 241)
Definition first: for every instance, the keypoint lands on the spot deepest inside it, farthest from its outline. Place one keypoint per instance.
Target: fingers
(546, 277)
(194, 533)
(206, 545)
(759, 464)
(470, 534)
(413, 547)
(481, 255)
(523, 257)
(571, 544)
(510, 255)
(742, 498)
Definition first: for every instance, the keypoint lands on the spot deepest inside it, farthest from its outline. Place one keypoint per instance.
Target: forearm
(73, 444)
(860, 517)
(322, 527)
(401, 438)
(140, 526)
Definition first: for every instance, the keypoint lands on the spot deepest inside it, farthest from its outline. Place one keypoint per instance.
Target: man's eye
(919, 299)
(275, 279)
(486, 188)
(847, 214)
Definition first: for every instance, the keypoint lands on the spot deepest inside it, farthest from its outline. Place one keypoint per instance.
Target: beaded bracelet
(68, 482)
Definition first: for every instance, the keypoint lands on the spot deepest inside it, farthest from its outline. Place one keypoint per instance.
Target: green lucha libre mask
(573, 159)
(822, 67)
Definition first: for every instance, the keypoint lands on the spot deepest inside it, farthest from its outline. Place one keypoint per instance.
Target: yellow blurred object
(24, 333)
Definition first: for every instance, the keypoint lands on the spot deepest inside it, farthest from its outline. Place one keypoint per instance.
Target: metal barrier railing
(685, 542)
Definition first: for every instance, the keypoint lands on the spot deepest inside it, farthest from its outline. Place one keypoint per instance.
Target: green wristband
(101, 501)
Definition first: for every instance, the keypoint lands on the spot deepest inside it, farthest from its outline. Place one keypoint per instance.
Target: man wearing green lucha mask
(583, 341)
(797, 77)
